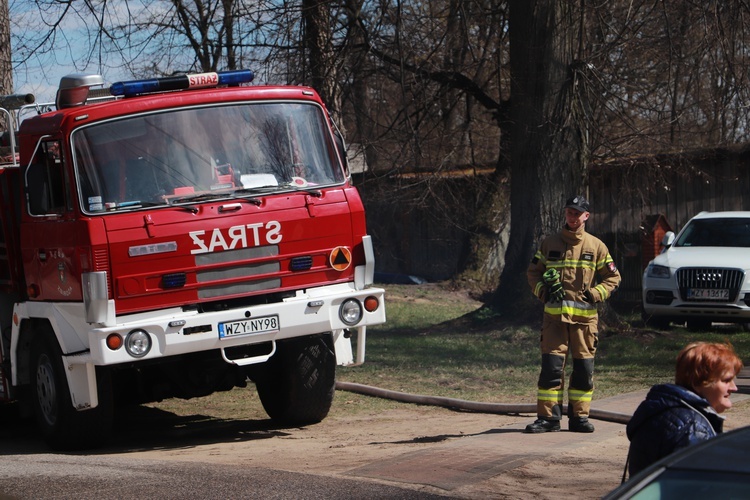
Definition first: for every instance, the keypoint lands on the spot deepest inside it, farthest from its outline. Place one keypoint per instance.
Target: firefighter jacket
(587, 272)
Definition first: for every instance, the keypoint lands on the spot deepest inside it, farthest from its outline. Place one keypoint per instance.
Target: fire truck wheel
(296, 386)
(63, 427)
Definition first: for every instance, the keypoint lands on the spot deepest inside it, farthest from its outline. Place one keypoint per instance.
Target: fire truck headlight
(350, 312)
(138, 343)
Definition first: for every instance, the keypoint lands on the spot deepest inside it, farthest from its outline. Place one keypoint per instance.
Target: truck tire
(61, 425)
(296, 386)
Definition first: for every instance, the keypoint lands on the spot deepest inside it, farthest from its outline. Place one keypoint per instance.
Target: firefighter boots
(541, 425)
(580, 424)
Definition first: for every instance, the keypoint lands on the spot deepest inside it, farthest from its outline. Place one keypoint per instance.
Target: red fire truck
(174, 237)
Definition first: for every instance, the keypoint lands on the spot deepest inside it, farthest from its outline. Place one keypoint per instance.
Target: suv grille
(710, 278)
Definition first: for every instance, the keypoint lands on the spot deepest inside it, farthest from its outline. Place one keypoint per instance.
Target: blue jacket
(671, 417)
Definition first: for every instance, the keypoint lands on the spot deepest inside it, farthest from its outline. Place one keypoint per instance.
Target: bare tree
(422, 106)
(549, 134)
(319, 43)
(667, 76)
(532, 89)
(169, 36)
(6, 68)
(161, 37)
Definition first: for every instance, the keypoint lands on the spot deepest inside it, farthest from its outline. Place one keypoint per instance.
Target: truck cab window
(46, 180)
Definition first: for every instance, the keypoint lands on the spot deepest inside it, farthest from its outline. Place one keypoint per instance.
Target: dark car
(718, 468)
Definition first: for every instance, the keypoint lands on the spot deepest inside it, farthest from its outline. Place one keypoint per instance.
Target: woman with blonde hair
(677, 415)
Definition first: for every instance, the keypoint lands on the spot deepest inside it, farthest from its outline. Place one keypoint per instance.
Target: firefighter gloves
(555, 290)
(551, 276)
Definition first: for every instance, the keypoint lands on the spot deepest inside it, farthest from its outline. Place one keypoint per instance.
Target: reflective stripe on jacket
(584, 264)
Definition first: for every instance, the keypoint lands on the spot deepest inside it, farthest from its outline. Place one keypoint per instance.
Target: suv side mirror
(668, 239)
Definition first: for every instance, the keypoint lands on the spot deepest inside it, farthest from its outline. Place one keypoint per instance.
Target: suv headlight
(657, 271)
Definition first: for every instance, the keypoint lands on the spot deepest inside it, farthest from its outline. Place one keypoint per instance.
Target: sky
(42, 80)
(40, 75)
(76, 41)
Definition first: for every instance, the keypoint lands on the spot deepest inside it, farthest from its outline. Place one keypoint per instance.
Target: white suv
(701, 275)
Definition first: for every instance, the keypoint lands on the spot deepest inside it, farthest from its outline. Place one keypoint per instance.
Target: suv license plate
(250, 326)
(708, 294)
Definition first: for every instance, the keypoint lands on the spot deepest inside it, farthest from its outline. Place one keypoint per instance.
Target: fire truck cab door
(49, 235)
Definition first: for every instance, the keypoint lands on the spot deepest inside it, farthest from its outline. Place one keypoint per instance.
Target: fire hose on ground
(472, 406)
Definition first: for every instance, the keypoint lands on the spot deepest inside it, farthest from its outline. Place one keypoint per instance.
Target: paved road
(28, 470)
(452, 468)
(445, 468)
(47, 476)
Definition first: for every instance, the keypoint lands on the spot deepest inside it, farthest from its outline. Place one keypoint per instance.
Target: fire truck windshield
(194, 154)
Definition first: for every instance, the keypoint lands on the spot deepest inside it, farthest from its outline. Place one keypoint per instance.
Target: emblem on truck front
(248, 235)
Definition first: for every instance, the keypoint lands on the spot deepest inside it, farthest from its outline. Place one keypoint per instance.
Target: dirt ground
(424, 448)
(429, 449)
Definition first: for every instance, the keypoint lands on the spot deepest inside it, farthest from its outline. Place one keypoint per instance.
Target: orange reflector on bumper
(371, 303)
(114, 341)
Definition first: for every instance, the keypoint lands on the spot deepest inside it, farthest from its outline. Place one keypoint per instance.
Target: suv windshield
(716, 232)
(185, 155)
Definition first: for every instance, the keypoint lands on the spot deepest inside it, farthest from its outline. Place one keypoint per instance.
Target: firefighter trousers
(557, 341)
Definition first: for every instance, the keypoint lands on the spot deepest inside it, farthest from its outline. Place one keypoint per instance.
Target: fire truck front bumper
(340, 309)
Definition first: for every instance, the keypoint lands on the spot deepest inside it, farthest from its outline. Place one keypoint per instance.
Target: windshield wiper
(195, 198)
(242, 194)
(247, 198)
(191, 198)
(301, 189)
(257, 189)
(279, 187)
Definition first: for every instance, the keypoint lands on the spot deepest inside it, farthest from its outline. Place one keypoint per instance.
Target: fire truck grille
(249, 270)
(207, 259)
(237, 271)
(239, 288)
(717, 279)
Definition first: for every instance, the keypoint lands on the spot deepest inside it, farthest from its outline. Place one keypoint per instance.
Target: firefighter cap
(578, 203)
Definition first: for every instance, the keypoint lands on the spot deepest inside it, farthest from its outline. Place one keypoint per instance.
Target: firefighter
(571, 273)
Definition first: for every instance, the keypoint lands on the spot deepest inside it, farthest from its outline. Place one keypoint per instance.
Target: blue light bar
(181, 82)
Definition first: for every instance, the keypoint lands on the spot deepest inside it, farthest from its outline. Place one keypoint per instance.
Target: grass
(430, 346)
(425, 349)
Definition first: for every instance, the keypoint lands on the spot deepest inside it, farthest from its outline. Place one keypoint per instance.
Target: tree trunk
(6, 68)
(317, 39)
(547, 140)
(482, 257)
(360, 92)
(229, 42)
